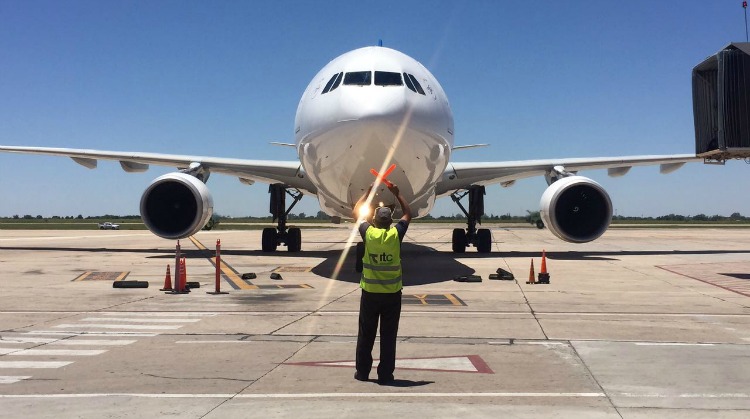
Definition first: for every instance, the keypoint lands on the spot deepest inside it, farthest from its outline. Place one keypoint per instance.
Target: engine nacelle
(176, 206)
(576, 209)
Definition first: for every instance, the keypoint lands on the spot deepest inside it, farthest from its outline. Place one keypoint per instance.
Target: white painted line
(10, 379)
(26, 340)
(58, 352)
(296, 395)
(690, 395)
(101, 333)
(216, 341)
(118, 326)
(157, 313)
(92, 342)
(33, 364)
(671, 344)
(543, 343)
(137, 320)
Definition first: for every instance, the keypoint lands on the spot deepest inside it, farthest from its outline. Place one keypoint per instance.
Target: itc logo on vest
(383, 257)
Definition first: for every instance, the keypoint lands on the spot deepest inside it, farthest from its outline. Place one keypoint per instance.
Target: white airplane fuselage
(368, 109)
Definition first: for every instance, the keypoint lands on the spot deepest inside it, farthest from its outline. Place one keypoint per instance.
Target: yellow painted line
(236, 280)
(122, 276)
(83, 276)
(227, 270)
(422, 298)
(197, 244)
(453, 299)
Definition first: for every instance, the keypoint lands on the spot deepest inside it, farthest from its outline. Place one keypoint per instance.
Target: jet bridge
(721, 104)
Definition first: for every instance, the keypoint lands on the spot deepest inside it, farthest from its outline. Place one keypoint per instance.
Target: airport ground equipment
(721, 104)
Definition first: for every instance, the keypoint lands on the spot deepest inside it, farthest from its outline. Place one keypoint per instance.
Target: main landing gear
(273, 237)
(481, 238)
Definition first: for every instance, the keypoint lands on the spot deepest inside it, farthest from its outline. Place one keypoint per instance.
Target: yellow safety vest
(381, 265)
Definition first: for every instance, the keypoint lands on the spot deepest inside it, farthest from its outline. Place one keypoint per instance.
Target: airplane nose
(373, 103)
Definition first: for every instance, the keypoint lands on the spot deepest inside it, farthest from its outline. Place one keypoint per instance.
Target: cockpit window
(416, 84)
(333, 83)
(358, 78)
(385, 78)
(409, 84)
(413, 84)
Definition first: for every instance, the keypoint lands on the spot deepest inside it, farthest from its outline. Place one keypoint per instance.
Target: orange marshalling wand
(384, 175)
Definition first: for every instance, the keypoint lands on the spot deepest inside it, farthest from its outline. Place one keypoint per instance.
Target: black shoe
(385, 380)
(360, 377)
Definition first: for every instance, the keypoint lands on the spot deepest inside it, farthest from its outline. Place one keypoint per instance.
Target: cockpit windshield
(385, 78)
(358, 78)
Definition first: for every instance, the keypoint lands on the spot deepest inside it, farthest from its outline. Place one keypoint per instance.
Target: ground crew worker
(381, 287)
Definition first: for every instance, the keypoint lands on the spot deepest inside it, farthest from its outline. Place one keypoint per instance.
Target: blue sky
(538, 79)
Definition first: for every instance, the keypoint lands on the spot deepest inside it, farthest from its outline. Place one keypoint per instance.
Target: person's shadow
(404, 383)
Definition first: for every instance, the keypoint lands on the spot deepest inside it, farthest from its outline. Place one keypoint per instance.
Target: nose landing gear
(273, 237)
(480, 238)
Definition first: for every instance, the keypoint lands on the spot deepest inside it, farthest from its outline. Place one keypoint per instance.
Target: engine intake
(176, 205)
(576, 209)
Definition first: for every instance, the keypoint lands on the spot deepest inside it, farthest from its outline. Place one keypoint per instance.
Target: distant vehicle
(108, 226)
(535, 218)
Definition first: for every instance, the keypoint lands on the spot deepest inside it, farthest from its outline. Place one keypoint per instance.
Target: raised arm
(404, 206)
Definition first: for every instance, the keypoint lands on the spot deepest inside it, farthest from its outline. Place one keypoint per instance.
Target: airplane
(368, 109)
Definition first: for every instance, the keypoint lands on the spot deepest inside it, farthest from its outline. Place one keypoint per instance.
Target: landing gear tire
(539, 224)
(294, 239)
(484, 240)
(359, 255)
(459, 240)
(269, 240)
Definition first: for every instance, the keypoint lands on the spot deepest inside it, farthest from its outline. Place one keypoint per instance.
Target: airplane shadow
(421, 263)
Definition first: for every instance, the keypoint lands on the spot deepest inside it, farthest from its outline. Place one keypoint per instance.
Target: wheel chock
(468, 278)
(249, 275)
(193, 284)
(276, 276)
(130, 284)
(503, 275)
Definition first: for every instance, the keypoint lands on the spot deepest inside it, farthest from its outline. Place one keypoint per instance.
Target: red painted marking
(707, 281)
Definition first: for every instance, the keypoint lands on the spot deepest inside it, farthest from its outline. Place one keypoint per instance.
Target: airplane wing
(289, 173)
(462, 175)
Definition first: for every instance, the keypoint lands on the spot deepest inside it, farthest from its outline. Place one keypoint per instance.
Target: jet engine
(576, 209)
(176, 205)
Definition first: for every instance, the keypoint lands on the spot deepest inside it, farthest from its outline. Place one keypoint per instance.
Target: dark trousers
(387, 308)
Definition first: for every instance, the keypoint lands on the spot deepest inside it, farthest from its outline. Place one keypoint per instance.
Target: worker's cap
(383, 216)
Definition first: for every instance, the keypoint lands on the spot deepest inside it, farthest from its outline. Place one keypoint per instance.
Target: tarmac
(640, 323)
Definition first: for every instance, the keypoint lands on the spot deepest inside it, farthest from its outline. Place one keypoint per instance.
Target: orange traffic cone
(531, 274)
(167, 281)
(543, 275)
(183, 276)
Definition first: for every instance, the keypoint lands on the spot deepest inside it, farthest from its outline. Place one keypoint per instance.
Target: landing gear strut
(481, 238)
(273, 237)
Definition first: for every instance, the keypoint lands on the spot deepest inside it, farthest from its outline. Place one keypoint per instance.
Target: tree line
(531, 216)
